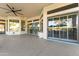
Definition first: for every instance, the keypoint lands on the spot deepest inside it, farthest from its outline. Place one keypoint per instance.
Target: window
(63, 27)
(56, 27)
(41, 26)
(72, 29)
(22, 25)
(2, 26)
(14, 25)
(50, 27)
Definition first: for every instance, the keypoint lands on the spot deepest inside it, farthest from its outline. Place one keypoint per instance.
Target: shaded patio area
(28, 45)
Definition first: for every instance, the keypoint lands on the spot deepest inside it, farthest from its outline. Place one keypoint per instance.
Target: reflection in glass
(14, 25)
(72, 30)
(35, 28)
(50, 27)
(41, 25)
(22, 25)
(71, 21)
(56, 27)
(30, 28)
(72, 33)
(63, 33)
(63, 27)
(63, 21)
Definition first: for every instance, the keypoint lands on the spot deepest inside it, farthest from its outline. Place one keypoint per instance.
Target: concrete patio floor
(26, 45)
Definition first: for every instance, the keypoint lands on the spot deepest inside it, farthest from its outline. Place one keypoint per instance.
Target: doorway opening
(2, 28)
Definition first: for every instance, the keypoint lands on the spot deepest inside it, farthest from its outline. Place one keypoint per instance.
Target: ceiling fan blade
(18, 10)
(19, 13)
(12, 7)
(4, 8)
(12, 10)
(15, 14)
(9, 6)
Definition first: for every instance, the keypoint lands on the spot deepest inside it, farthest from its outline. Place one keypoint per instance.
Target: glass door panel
(35, 28)
(63, 33)
(30, 29)
(22, 25)
(56, 27)
(41, 26)
(72, 33)
(63, 27)
(50, 27)
(72, 29)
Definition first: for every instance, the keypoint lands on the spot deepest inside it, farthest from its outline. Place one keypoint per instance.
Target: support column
(26, 26)
(44, 24)
(19, 26)
(78, 24)
(8, 25)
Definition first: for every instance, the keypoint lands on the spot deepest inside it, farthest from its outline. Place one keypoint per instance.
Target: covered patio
(29, 45)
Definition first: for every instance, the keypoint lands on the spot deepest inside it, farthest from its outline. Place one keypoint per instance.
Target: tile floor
(28, 45)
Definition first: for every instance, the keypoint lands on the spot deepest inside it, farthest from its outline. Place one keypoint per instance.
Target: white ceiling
(28, 9)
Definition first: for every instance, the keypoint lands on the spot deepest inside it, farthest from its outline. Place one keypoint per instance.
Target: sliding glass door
(63, 27)
(50, 27)
(35, 28)
(56, 27)
(72, 28)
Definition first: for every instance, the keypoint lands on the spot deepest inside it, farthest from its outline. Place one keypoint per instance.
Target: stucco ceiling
(28, 9)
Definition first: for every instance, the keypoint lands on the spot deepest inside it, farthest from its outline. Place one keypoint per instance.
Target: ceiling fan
(12, 9)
